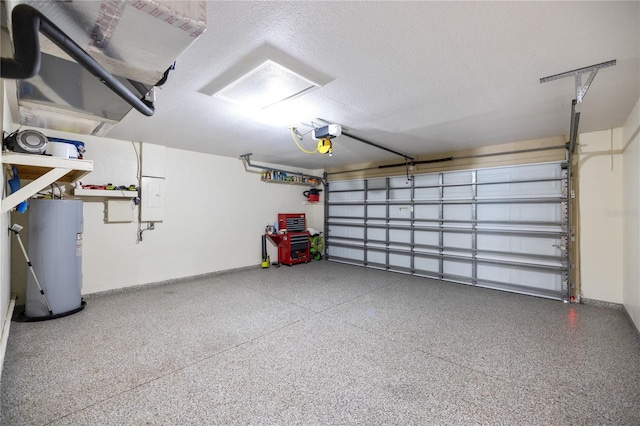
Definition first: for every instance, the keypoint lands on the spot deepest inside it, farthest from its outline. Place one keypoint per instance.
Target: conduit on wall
(246, 158)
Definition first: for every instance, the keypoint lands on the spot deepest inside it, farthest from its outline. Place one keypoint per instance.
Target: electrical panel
(152, 199)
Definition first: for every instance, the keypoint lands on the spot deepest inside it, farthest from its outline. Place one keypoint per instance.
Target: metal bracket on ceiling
(581, 90)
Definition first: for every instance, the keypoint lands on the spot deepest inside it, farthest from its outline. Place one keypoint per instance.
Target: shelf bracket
(32, 188)
(581, 89)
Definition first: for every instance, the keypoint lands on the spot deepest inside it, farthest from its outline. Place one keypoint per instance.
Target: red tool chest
(294, 244)
(292, 222)
(294, 248)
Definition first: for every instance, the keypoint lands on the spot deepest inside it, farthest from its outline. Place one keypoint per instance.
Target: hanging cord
(295, 139)
(406, 165)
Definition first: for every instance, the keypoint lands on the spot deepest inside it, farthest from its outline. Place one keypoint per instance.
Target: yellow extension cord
(301, 148)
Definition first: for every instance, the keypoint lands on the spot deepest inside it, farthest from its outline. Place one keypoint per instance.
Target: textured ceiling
(418, 77)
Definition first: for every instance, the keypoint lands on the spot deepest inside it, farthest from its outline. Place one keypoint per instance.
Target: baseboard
(611, 305)
(602, 304)
(633, 324)
(5, 332)
(167, 282)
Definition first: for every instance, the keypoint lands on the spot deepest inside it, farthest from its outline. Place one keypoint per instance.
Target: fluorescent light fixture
(266, 85)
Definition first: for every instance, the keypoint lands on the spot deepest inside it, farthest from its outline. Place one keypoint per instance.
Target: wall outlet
(152, 226)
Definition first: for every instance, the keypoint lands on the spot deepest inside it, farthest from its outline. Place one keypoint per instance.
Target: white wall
(631, 215)
(216, 213)
(601, 224)
(5, 282)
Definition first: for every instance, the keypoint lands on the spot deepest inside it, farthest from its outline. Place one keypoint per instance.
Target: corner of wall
(5, 252)
(600, 202)
(631, 214)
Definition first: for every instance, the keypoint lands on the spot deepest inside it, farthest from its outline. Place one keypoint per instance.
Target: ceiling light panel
(266, 85)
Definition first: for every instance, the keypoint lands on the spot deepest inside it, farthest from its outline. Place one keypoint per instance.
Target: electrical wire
(59, 191)
(139, 178)
(293, 136)
(53, 192)
(133, 144)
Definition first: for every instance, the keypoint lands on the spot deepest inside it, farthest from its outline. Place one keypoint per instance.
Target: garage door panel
(426, 212)
(378, 234)
(399, 182)
(432, 179)
(536, 246)
(513, 190)
(519, 173)
(374, 256)
(402, 212)
(400, 194)
(356, 255)
(426, 237)
(351, 211)
(503, 228)
(458, 240)
(346, 231)
(376, 195)
(400, 236)
(457, 212)
(458, 268)
(377, 212)
(519, 212)
(401, 261)
(424, 194)
(545, 280)
(423, 264)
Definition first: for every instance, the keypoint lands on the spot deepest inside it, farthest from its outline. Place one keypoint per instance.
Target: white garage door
(503, 228)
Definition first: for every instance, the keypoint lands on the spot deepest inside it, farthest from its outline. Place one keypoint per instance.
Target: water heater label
(79, 244)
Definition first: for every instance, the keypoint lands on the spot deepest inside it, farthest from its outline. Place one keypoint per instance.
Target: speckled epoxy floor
(323, 343)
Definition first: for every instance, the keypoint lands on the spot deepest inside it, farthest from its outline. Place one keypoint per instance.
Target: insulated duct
(81, 66)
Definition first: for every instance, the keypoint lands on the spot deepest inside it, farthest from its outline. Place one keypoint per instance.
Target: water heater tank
(55, 251)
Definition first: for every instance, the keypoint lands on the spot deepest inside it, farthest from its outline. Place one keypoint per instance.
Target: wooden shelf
(32, 166)
(42, 170)
(104, 193)
(286, 182)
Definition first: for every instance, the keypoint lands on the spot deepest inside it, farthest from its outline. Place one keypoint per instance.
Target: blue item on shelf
(14, 184)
